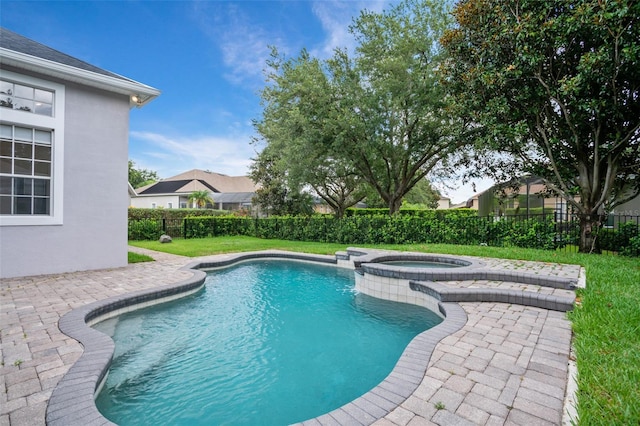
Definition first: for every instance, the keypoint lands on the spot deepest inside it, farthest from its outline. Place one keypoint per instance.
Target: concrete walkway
(507, 365)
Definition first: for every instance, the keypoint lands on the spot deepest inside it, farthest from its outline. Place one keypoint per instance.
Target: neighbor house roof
(199, 180)
(176, 186)
(222, 183)
(24, 53)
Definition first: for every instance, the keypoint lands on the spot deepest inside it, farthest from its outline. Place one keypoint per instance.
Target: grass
(606, 324)
(136, 257)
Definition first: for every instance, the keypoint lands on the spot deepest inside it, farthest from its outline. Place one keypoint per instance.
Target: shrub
(145, 229)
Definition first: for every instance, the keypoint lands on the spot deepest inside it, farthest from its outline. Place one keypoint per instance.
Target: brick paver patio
(507, 365)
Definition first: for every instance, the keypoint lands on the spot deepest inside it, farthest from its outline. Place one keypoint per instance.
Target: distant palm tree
(200, 198)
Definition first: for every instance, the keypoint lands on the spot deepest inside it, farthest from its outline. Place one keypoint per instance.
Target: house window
(25, 170)
(169, 205)
(153, 205)
(183, 205)
(27, 98)
(31, 150)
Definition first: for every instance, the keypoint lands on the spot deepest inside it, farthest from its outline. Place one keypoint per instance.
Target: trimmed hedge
(139, 214)
(410, 228)
(149, 224)
(383, 229)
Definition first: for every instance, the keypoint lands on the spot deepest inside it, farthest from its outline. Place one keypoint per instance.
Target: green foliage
(605, 322)
(623, 240)
(554, 88)
(633, 249)
(378, 116)
(276, 194)
(422, 194)
(145, 229)
(149, 224)
(201, 198)
(139, 213)
(137, 257)
(434, 227)
(141, 177)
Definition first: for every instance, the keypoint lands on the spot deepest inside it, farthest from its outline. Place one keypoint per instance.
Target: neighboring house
(532, 196)
(64, 129)
(444, 203)
(228, 192)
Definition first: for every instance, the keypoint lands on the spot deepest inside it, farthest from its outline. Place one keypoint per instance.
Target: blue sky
(207, 58)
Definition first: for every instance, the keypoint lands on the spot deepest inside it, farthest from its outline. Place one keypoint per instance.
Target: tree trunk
(589, 226)
(394, 205)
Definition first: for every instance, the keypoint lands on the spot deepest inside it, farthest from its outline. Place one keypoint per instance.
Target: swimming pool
(266, 342)
(72, 400)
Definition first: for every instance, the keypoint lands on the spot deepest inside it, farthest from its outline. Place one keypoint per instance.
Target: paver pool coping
(72, 401)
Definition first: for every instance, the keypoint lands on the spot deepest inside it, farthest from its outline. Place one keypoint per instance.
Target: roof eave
(142, 93)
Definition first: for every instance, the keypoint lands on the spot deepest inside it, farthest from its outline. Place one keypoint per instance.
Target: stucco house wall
(90, 229)
(160, 201)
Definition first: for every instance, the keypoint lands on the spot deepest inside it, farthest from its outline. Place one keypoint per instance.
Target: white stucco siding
(160, 201)
(93, 234)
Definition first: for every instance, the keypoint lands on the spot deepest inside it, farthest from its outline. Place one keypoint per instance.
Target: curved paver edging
(517, 297)
(72, 401)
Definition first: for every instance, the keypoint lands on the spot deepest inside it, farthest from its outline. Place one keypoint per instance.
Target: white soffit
(124, 86)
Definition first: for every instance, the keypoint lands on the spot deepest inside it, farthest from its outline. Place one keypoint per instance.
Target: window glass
(41, 187)
(23, 134)
(43, 153)
(6, 132)
(43, 109)
(23, 105)
(42, 169)
(23, 150)
(5, 185)
(21, 91)
(22, 167)
(6, 88)
(6, 101)
(5, 165)
(40, 205)
(22, 186)
(24, 194)
(29, 183)
(6, 148)
(42, 136)
(22, 205)
(26, 98)
(5, 205)
(44, 96)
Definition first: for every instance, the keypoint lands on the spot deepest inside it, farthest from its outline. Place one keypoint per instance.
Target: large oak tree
(381, 114)
(554, 88)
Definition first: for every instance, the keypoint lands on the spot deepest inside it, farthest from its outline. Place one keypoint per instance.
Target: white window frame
(55, 123)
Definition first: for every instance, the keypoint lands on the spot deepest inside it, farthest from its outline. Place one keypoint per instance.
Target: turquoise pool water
(266, 342)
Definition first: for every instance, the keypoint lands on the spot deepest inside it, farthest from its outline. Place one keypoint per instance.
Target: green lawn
(606, 324)
(136, 257)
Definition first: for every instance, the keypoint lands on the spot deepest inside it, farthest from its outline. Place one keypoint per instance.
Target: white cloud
(244, 44)
(173, 155)
(336, 16)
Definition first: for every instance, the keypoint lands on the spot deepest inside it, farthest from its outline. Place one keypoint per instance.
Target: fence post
(184, 228)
